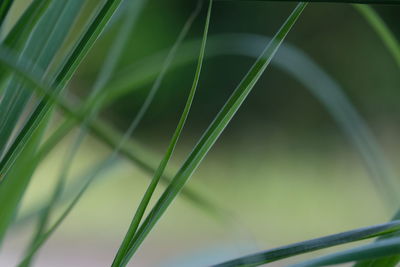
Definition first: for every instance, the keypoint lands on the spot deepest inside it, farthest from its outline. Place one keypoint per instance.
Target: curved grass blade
(213, 132)
(20, 32)
(4, 8)
(45, 236)
(123, 249)
(313, 245)
(43, 43)
(386, 261)
(69, 67)
(303, 69)
(42, 37)
(387, 247)
(380, 27)
(106, 72)
(44, 107)
(106, 162)
(375, 2)
(291, 60)
(109, 137)
(16, 181)
(393, 47)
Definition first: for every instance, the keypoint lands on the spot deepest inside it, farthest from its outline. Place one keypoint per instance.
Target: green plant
(31, 71)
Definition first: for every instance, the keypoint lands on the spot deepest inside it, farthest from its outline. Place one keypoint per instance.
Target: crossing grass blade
(8, 162)
(21, 68)
(4, 8)
(106, 72)
(212, 133)
(383, 31)
(45, 40)
(393, 46)
(64, 75)
(13, 185)
(79, 181)
(42, 238)
(375, 2)
(22, 29)
(377, 250)
(292, 61)
(313, 245)
(385, 261)
(296, 64)
(16, 181)
(46, 235)
(123, 249)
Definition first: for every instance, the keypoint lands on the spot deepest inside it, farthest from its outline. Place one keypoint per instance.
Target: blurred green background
(283, 170)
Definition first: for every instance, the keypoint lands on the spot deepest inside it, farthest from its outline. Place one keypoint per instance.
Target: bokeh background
(283, 171)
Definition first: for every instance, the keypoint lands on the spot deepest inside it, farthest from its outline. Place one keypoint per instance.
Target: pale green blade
(124, 247)
(69, 67)
(380, 27)
(213, 132)
(301, 67)
(380, 249)
(106, 72)
(313, 245)
(375, 2)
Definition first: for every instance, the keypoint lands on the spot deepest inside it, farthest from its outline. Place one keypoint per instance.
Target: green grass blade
(40, 38)
(69, 67)
(70, 192)
(385, 248)
(40, 241)
(45, 236)
(375, 2)
(313, 245)
(105, 73)
(213, 132)
(4, 8)
(20, 32)
(380, 27)
(16, 181)
(393, 46)
(296, 64)
(123, 249)
(386, 261)
(45, 40)
(291, 60)
(44, 107)
(101, 130)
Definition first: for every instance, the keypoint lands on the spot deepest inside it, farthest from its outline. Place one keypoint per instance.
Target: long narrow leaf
(291, 60)
(313, 245)
(386, 261)
(24, 70)
(44, 107)
(297, 64)
(11, 189)
(213, 132)
(375, 2)
(385, 248)
(380, 27)
(69, 67)
(123, 249)
(106, 72)
(5, 6)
